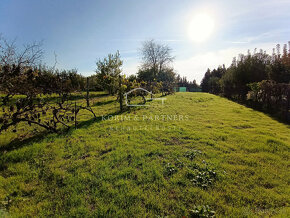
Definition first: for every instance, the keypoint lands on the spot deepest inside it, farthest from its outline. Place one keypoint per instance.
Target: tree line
(257, 79)
(191, 86)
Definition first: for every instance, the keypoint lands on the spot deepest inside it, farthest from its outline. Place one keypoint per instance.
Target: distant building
(181, 89)
(185, 89)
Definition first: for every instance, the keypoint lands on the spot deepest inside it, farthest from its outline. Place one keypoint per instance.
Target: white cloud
(130, 66)
(263, 36)
(194, 67)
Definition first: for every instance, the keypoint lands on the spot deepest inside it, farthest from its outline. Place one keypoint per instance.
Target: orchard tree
(108, 72)
(20, 73)
(17, 75)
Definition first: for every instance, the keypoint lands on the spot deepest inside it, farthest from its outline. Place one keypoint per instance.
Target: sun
(201, 27)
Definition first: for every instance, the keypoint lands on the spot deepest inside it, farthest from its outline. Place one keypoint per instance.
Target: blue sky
(80, 32)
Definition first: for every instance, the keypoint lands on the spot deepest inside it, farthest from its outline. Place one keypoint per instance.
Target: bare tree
(15, 65)
(29, 56)
(155, 56)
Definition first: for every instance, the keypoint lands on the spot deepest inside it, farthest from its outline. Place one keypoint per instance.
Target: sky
(81, 32)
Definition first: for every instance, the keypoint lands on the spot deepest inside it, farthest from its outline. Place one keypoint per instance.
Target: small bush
(192, 154)
(169, 170)
(202, 177)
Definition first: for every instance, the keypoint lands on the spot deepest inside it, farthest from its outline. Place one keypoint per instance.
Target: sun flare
(201, 27)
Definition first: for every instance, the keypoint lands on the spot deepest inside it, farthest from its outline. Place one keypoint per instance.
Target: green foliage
(167, 77)
(108, 71)
(211, 81)
(272, 96)
(169, 169)
(244, 79)
(247, 69)
(201, 212)
(145, 75)
(202, 176)
(192, 154)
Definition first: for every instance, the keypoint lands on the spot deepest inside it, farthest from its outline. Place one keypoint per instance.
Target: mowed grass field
(164, 160)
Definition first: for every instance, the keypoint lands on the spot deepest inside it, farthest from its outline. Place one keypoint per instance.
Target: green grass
(220, 154)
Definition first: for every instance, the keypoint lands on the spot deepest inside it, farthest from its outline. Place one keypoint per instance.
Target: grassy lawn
(164, 160)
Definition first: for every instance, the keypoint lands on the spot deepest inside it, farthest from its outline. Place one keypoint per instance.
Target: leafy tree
(146, 74)
(205, 81)
(211, 81)
(214, 85)
(271, 96)
(108, 71)
(132, 78)
(257, 77)
(279, 69)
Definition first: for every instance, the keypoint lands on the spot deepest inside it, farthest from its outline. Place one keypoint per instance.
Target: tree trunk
(120, 93)
(87, 97)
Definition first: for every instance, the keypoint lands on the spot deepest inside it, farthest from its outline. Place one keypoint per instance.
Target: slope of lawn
(195, 151)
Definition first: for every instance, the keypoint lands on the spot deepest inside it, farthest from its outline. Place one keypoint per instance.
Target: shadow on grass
(19, 143)
(77, 97)
(100, 103)
(87, 123)
(55, 99)
(38, 137)
(272, 113)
